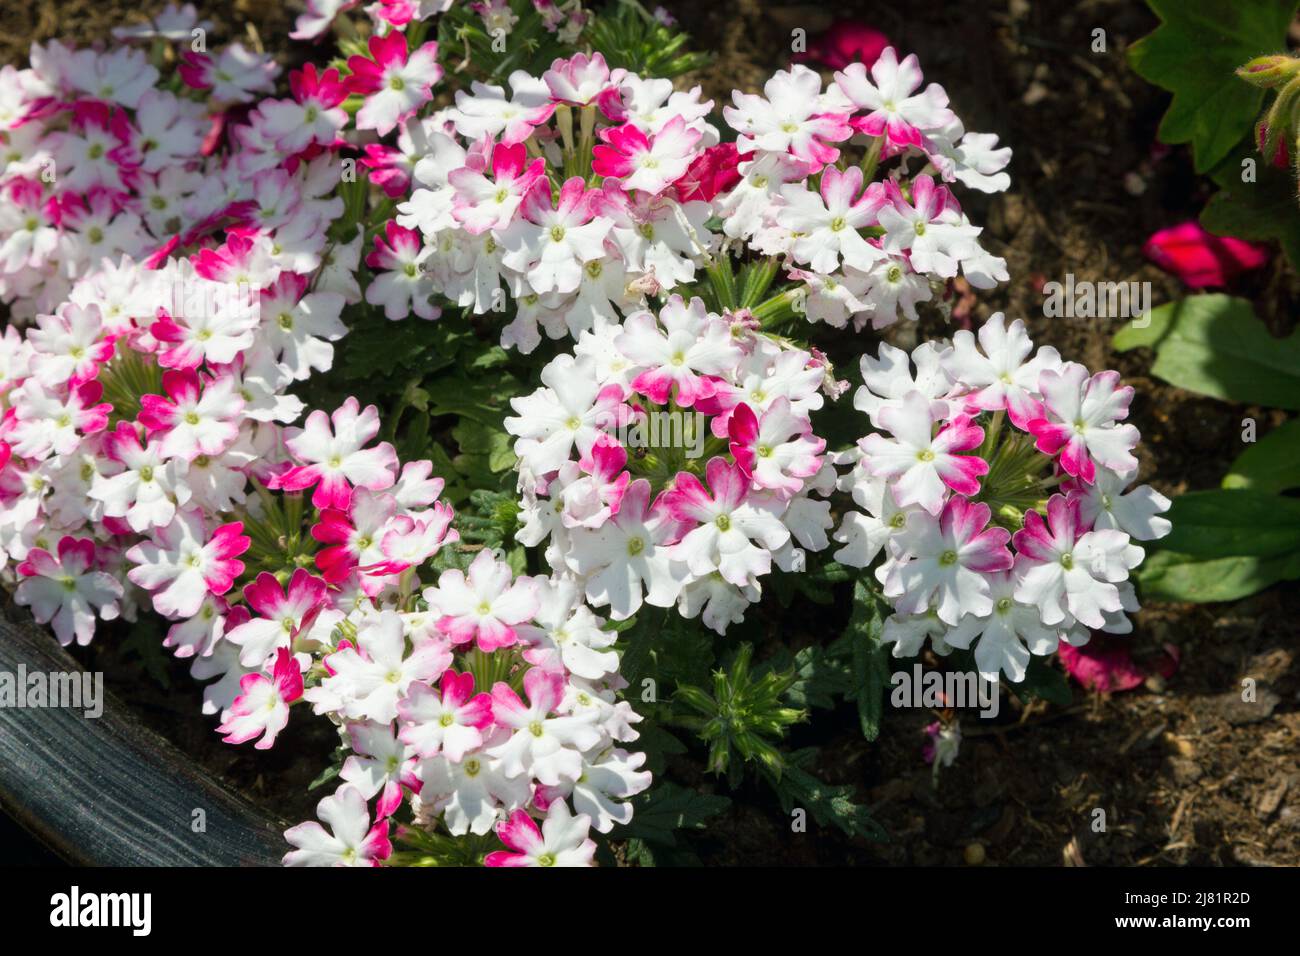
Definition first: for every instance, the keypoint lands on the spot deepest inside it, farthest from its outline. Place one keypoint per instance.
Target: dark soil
(1184, 773)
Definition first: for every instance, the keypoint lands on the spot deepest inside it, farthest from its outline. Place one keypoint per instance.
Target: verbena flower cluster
(581, 194)
(185, 241)
(671, 460)
(181, 277)
(994, 488)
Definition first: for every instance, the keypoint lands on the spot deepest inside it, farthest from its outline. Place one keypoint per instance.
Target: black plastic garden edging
(110, 792)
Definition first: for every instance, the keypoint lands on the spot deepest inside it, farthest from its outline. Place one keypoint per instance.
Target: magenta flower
(844, 42)
(713, 171)
(1201, 259)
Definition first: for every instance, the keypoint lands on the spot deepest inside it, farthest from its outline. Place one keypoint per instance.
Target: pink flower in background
(842, 43)
(714, 171)
(1105, 664)
(1201, 259)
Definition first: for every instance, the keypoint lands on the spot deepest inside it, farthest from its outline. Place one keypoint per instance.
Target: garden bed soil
(1184, 773)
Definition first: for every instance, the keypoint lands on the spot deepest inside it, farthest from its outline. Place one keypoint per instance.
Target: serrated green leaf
(1262, 211)
(666, 808)
(829, 805)
(870, 657)
(1193, 54)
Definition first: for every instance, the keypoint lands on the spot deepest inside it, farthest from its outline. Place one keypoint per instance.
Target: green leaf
(1169, 576)
(1225, 544)
(666, 808)
(1193, 54)
(829, 806)
(1270, 464)
(1265, 210)
(1224, 522)
(1044, 681)
(821, 679)
(870, 657)
(1214, 344)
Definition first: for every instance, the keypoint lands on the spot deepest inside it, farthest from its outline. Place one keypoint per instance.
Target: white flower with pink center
(67, 590)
